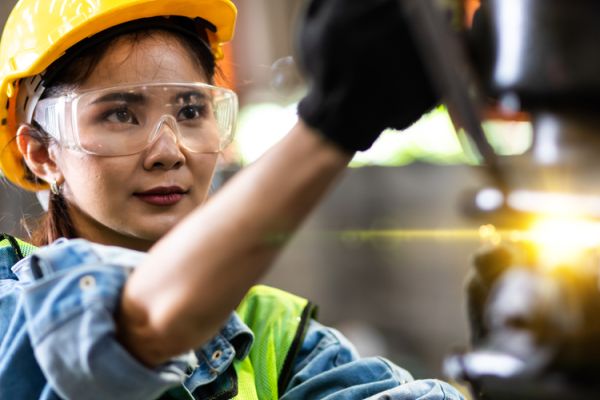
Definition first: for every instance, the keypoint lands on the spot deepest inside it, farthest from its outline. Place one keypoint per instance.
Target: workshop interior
(468, 246)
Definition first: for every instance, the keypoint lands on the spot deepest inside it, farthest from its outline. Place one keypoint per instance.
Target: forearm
(197, 274)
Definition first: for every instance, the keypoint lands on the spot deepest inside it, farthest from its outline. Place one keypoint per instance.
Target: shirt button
(87, 282)
(216, 355)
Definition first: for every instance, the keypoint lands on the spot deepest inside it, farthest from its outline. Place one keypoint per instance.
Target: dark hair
(78, 64)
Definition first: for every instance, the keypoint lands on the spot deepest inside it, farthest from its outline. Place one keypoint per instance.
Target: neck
(90, 229)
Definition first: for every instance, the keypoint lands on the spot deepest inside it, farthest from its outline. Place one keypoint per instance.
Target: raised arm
(196, 275)
(365, 75)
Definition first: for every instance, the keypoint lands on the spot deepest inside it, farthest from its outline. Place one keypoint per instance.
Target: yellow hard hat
(38, 32)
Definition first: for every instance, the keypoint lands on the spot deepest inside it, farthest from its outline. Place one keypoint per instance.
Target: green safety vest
(20, 249)
(279, 321)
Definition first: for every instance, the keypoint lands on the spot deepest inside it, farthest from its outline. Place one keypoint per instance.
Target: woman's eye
(121, 116)
(190, 112)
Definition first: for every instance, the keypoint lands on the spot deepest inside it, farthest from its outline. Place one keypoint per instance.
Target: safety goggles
(124, 120)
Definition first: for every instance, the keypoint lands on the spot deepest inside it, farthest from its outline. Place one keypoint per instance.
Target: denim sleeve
(329, 368)
(72, 330)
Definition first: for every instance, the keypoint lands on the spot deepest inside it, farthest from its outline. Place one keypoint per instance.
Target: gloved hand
(364, 71)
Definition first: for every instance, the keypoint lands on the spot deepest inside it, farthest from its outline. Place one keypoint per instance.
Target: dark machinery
(534, 298)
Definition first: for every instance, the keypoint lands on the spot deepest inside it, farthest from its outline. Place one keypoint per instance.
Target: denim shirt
(58, 340)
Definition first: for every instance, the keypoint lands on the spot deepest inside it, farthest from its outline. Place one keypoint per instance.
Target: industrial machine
(534, 292)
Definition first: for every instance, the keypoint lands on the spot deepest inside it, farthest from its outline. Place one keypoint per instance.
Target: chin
(153, 230)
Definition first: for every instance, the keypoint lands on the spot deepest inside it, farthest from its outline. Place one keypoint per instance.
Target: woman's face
(133, 200)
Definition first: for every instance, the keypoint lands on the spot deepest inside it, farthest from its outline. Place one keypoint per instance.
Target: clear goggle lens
(124, 120)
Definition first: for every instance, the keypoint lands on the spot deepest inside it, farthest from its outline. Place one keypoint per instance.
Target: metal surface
(537, 55)
(545, 51)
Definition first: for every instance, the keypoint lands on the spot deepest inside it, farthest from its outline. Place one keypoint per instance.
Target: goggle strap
(47, 116)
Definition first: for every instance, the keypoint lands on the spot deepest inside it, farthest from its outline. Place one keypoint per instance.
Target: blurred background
(385, 255)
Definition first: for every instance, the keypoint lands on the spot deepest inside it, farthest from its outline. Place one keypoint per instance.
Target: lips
(162, 196)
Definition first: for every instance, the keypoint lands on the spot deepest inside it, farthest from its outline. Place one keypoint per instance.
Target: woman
(112, 105)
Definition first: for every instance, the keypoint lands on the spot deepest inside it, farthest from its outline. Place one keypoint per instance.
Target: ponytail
(55, 224)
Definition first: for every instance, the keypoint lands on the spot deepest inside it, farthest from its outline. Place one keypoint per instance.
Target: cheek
(203, 168)
(98, 185)
(93, 181)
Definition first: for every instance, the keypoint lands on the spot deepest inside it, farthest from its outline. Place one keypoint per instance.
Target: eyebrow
(189, 94)
(121, 96)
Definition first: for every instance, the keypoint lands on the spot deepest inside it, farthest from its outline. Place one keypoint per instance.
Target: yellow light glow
(409, 234)
(489, 234)
(551, 244)
(563, 241)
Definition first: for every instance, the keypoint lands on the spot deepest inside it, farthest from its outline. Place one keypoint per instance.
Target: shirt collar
(22, 270)
(239, 335)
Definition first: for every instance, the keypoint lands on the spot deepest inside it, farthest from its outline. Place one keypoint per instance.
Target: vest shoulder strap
(20, 248)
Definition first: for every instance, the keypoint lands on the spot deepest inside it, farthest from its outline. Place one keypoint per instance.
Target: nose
(164, 152)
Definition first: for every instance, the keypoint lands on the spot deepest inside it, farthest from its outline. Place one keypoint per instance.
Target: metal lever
(452, 74)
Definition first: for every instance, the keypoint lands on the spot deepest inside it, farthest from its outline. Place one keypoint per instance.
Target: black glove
(364, 71)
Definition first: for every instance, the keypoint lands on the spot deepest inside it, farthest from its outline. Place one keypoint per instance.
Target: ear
(37, 154)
